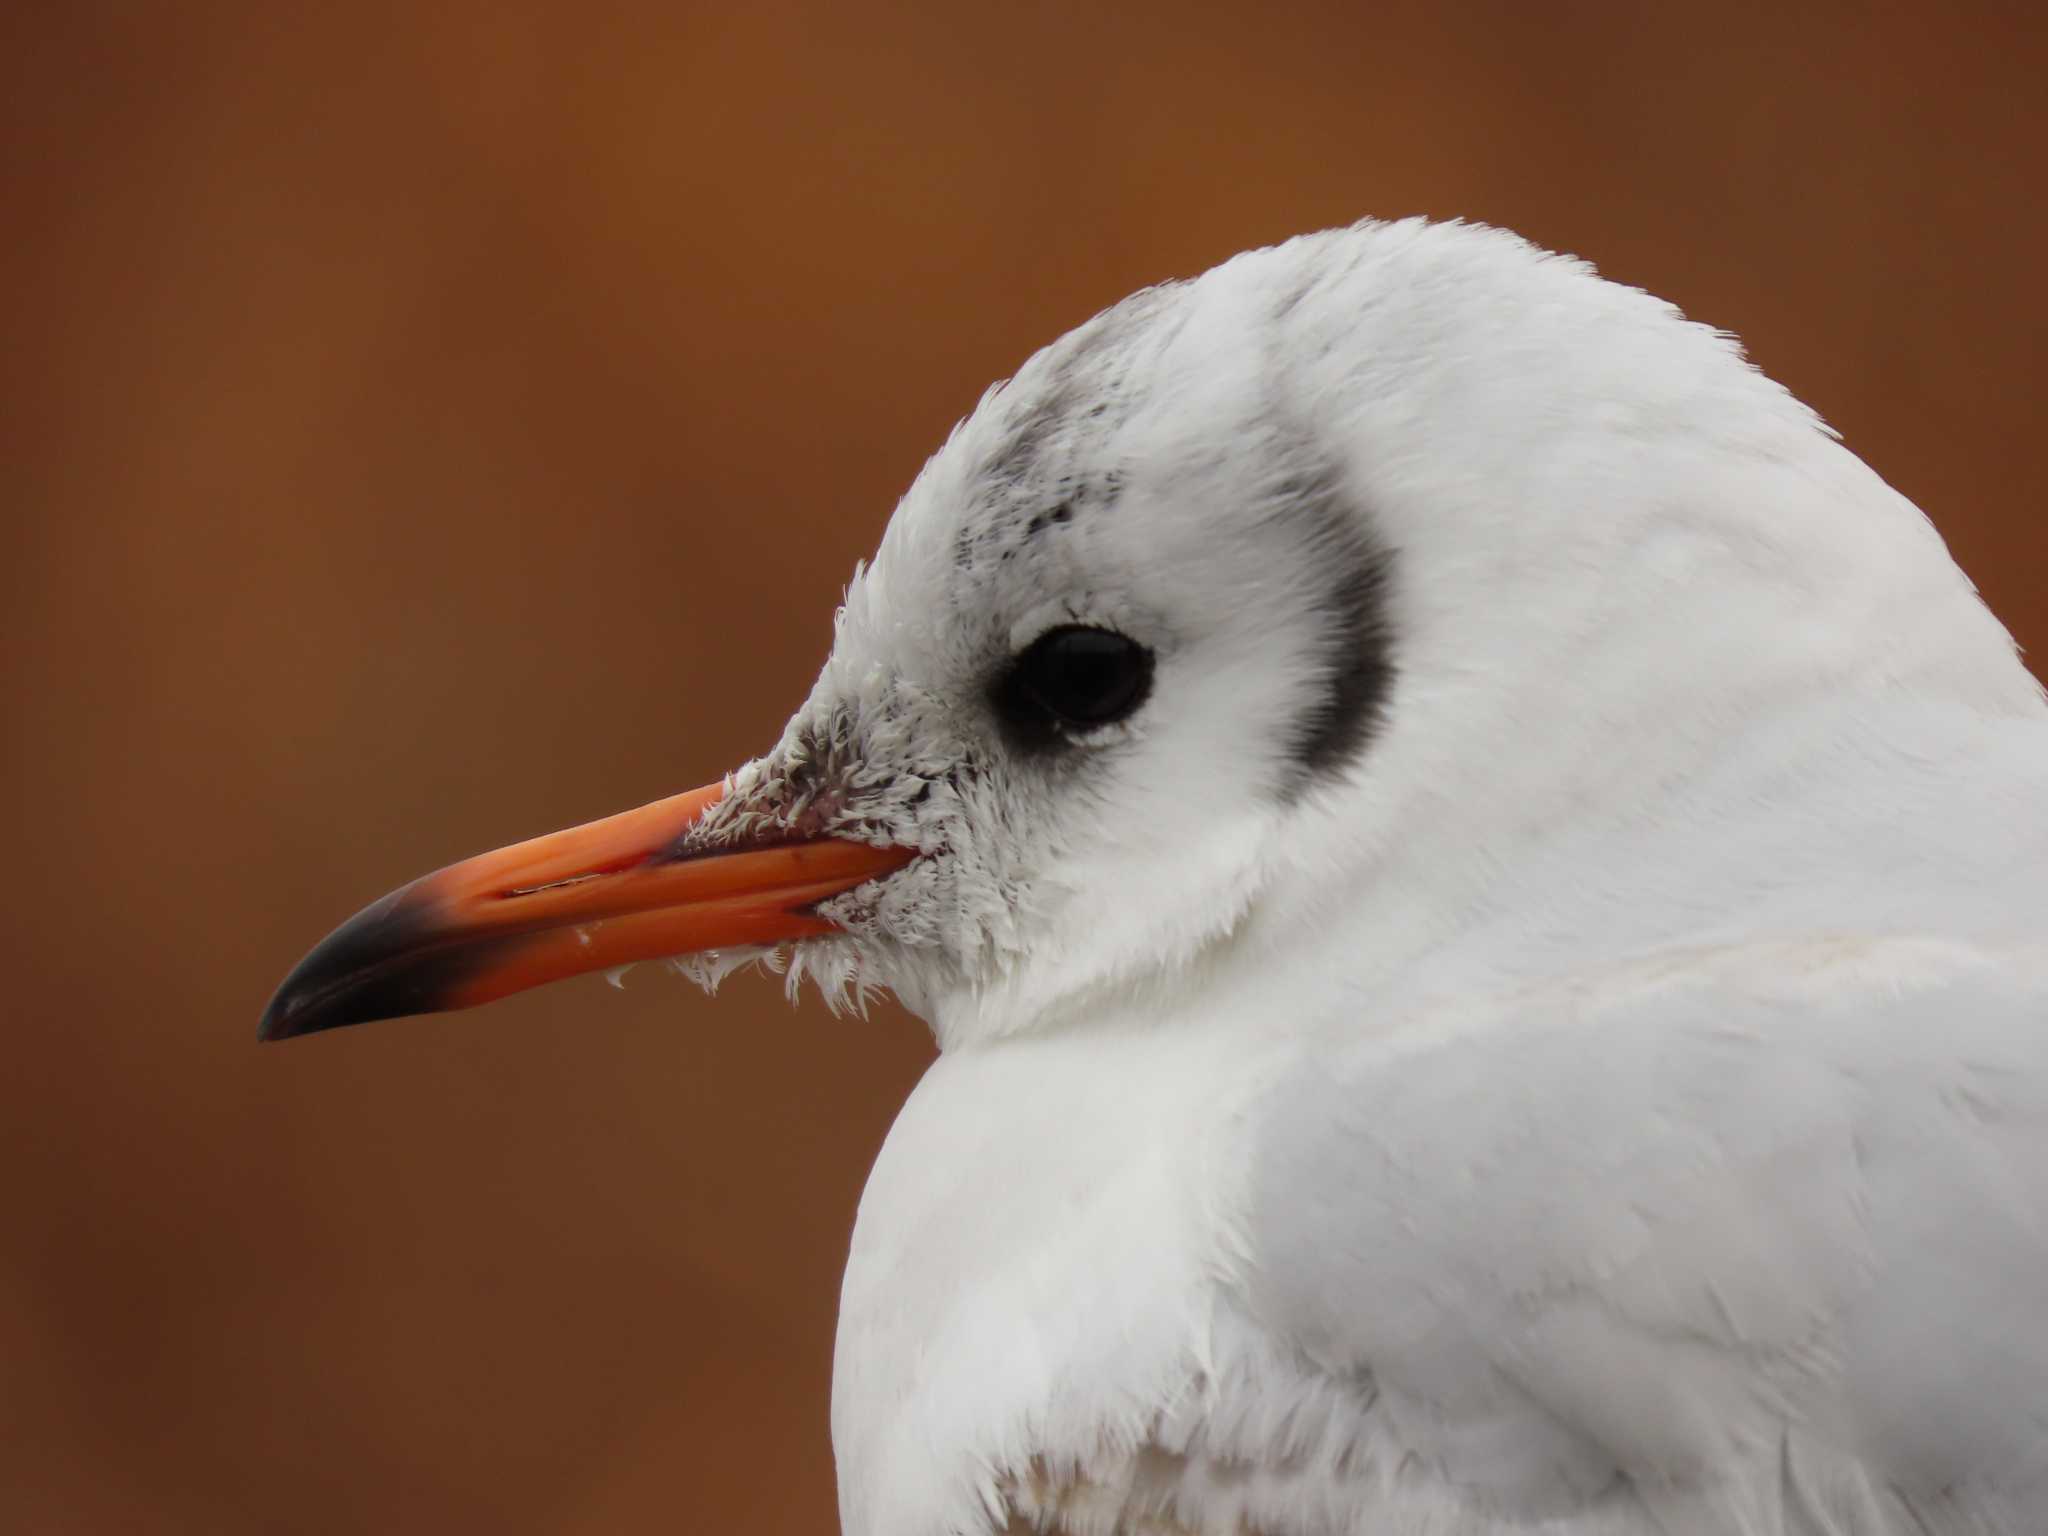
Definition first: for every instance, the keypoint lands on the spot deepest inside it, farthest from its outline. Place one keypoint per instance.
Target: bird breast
(1037, 1329)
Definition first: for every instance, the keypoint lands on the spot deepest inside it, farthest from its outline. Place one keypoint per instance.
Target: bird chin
(837, 964)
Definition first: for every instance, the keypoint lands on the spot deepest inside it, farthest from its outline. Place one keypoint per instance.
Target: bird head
(1341, 568)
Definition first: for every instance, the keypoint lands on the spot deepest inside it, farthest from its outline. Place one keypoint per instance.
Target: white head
(1348, 562)
(1348, 572)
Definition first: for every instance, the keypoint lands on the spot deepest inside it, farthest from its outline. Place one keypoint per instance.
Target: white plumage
(1536, 1023)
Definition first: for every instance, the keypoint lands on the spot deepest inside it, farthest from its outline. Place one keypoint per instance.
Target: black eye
(1074, 676)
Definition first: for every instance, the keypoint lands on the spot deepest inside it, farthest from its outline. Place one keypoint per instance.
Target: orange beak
(606, 894)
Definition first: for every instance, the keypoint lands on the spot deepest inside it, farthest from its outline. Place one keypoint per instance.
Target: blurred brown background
(429, 424)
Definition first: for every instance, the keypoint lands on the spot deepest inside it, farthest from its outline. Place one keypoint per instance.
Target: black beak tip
(279, 1017)
(297, 1008)
(389, 960)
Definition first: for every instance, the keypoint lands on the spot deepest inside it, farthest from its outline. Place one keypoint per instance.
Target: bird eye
(1075, 676)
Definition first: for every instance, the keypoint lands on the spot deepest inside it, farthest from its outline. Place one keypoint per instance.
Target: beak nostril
(552, 885)
(584, 876)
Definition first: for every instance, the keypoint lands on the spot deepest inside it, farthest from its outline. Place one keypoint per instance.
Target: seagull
(1481, 884)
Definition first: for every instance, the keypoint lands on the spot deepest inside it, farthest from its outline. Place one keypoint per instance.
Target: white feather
(1612, 1098)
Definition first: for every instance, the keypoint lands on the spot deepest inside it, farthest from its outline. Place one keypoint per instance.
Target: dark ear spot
(1334, 729)
(1354, 650)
